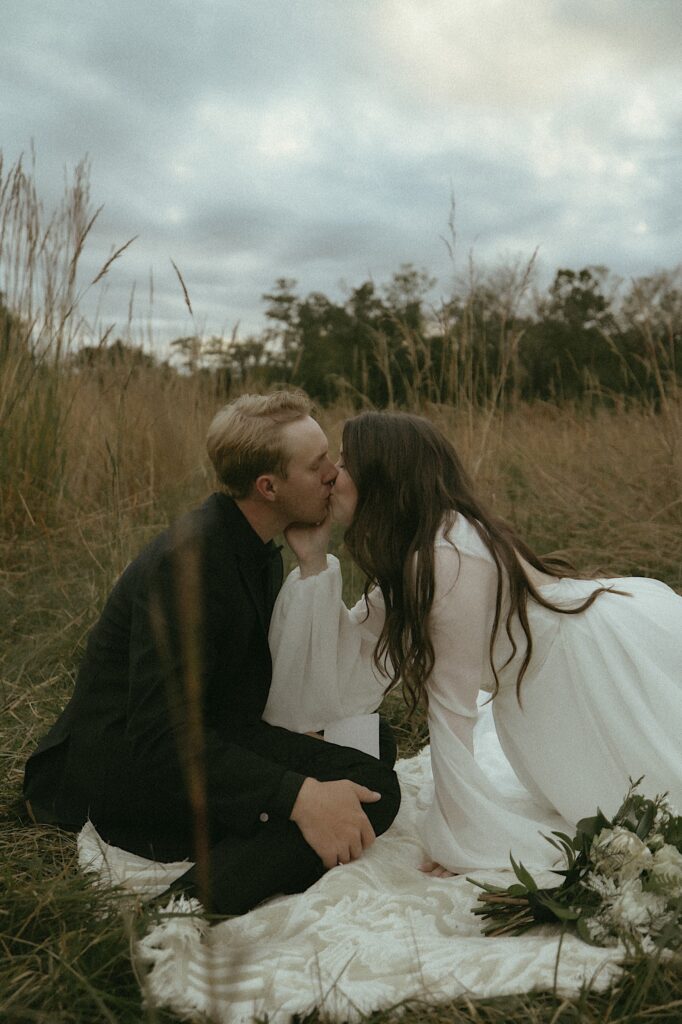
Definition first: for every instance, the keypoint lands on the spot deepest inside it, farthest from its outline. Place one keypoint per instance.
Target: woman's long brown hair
(410, 481)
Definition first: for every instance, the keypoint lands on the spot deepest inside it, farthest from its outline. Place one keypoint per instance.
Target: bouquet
(622, 881)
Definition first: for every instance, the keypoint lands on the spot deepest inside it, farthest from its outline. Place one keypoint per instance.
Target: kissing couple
(190, 735)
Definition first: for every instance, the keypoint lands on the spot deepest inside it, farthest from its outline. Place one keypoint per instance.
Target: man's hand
(309, 544)
(332, 821)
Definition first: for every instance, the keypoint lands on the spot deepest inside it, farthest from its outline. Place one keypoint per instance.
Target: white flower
(600, 932)
(604, 886)
(629, 915)
(619, 851)
(667, 870)
(664, 813)
(634, 910)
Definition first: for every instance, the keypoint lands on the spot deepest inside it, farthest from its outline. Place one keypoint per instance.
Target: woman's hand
(436, 870)
(309, 544)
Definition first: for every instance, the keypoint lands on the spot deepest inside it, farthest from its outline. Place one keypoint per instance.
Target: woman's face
(344, 496)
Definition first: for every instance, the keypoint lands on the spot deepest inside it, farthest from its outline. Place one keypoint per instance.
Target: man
(162, 745)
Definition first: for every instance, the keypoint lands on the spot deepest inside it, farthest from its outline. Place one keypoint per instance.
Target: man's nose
(331, 474)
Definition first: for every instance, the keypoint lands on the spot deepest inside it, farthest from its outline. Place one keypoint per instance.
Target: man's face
(303, 496)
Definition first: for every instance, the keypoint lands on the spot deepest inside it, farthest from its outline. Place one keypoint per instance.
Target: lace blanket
(367, 936)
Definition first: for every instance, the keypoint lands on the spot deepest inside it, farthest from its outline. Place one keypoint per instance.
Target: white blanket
(367, 936)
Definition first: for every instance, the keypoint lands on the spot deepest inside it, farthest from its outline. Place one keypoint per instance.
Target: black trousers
(275, 859)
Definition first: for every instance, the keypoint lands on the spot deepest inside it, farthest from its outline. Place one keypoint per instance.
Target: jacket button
(263, 817)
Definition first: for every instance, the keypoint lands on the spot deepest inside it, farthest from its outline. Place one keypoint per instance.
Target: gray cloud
(322, 141)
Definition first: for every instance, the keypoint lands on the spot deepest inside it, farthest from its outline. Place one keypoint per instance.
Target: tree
(575, 346)
(282, 311)
(651, 316)
(250, 361)
(191, 351)
(119, 353)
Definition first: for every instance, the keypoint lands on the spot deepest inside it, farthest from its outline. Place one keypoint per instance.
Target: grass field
(604, 489)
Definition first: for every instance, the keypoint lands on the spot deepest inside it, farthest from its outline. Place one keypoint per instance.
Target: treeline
(495, 337)
(388, 346)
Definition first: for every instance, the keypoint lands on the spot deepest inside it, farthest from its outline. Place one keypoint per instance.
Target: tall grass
(94, 461)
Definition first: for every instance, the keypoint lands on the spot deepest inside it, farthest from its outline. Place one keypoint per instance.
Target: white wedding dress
(601, 701)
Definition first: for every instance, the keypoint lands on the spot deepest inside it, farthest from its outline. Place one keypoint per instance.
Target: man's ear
(265, 486)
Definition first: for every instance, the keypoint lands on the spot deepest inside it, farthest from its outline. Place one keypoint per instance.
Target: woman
(585, 675)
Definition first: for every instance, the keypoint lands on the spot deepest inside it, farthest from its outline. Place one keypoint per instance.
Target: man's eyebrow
(318, 458)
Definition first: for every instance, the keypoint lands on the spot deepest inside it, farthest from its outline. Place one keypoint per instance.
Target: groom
(162, 745)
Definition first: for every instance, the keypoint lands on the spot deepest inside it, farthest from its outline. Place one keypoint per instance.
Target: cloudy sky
(323, 139)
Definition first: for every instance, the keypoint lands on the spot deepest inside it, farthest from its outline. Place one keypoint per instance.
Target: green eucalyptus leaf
(523, 876)
(647, 820)
(560, 910)
(488, 886)
(673, 832)
(567, 840)
(591, 827)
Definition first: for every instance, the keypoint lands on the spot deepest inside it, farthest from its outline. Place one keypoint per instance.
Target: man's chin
(313, 519)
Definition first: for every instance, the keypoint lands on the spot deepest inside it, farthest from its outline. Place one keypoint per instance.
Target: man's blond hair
(245, 438)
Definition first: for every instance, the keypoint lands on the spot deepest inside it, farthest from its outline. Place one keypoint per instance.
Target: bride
(585, 675)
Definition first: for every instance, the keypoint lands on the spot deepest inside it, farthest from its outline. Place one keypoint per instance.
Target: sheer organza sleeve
(471, 822)
(322, 653)
(460, 624)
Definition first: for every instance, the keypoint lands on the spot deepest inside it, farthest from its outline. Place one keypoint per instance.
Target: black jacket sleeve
(182, 664)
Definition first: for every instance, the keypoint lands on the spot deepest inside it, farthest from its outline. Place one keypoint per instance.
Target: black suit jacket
(194, 605)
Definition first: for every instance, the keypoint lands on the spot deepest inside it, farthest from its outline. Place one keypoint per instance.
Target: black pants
(275, 859)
